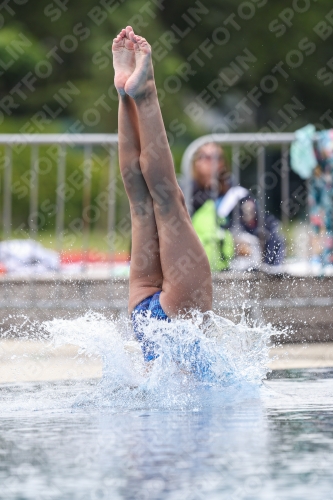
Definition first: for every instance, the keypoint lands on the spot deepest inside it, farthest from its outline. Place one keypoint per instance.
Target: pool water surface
(277, 444)
(164, 432)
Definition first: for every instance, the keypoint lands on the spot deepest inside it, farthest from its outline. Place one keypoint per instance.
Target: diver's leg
(187, 280)
(145, 270)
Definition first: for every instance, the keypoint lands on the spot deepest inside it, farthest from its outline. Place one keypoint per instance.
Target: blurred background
(220, 66)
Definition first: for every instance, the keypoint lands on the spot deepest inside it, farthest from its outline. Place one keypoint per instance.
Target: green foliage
(75, 37)
(89, 66)
(15, 42)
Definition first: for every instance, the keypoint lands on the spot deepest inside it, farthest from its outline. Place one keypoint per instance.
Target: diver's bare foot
(123, 60)
(141, 82)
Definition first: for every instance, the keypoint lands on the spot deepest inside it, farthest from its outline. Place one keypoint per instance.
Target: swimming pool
(85, 439)
(277, 446)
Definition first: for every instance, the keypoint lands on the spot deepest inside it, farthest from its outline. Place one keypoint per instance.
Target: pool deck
(27, 361)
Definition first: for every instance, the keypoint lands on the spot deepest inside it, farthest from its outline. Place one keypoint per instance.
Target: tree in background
(224, 66)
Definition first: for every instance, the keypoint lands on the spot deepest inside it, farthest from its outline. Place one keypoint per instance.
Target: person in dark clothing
(208, 165)
(271, 239)
(236, 208)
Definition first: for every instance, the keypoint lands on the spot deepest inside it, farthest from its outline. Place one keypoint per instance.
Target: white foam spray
(203, 360)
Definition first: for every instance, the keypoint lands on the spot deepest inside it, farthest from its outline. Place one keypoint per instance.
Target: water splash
(196, 358)
(203, 360)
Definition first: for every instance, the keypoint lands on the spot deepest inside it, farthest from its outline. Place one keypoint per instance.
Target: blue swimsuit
(149, 307)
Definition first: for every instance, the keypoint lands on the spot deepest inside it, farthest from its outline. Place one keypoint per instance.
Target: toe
(129, 30)
(143, 43)
(133, 37)
(118, 42)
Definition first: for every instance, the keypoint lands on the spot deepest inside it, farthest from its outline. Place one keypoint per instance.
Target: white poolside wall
(303, 305)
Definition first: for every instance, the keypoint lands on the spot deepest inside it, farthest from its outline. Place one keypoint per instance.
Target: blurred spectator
(321, 200)
(208, 166)
(316, 200)
(316, 164)
(217, 242)
(236, 209)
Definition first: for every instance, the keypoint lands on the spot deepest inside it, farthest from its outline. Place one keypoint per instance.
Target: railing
(70, 294)
(64, 141)
(258, 143)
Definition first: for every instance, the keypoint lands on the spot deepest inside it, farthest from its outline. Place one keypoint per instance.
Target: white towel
(230, 200)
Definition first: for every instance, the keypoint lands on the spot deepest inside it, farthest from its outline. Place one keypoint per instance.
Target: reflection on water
(278, 445)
